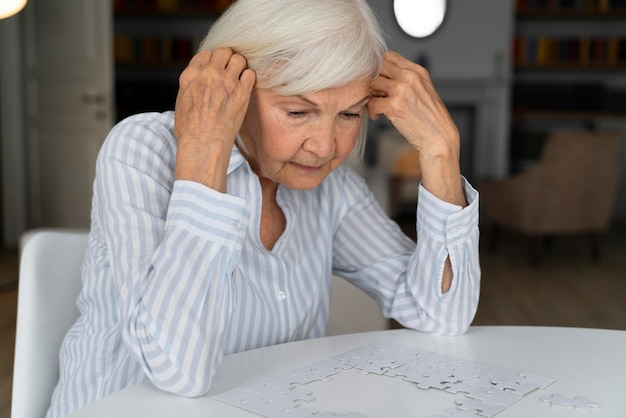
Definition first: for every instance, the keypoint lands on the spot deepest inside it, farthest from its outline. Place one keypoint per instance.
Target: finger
(236, 65)
(382, 87)
(398, 60)
(398, 67)
(247, 79)
(377, 106)
(221, 57)
(391, 70)
(201, 58)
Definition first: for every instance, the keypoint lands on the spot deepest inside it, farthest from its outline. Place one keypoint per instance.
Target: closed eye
(296, 114)
(348, 115)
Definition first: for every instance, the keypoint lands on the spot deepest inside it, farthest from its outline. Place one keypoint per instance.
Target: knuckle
(238, 60)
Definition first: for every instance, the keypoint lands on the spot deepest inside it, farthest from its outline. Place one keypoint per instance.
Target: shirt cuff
(445, 221)
(209, 214)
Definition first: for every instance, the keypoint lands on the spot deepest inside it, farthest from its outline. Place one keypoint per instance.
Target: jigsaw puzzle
(481, 390)
(579, 403)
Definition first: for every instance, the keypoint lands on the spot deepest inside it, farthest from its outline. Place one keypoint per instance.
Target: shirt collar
(236, 159)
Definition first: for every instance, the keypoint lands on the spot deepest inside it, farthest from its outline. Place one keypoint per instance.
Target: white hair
(298, 47)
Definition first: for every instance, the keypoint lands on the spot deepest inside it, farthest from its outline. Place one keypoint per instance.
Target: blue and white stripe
(176, 277)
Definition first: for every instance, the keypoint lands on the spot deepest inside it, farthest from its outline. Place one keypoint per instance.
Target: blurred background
(512, 73)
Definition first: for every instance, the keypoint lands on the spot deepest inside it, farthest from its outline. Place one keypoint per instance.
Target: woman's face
(298, 140)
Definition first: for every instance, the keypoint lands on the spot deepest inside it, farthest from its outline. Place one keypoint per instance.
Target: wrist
(206, 164)
(442, 178)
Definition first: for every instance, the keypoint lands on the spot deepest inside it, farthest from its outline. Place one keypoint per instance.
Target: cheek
(278, 142)
(346, 141)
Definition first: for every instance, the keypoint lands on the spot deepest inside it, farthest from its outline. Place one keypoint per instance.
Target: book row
(581, 6)
(152, 50)
(585, 97)
(162, 6)
(583, 51)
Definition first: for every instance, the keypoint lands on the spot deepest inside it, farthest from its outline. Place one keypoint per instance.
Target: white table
(584, 362)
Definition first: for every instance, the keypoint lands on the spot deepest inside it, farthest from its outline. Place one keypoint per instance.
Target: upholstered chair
(571, 190)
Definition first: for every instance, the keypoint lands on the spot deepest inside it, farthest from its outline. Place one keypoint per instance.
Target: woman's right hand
(212, 100)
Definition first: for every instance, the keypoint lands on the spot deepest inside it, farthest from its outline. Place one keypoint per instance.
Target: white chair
(49, 283)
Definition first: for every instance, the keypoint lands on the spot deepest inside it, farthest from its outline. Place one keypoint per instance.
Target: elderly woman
(216, 229)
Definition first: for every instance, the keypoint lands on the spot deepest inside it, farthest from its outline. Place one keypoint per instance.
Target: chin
(303, 184)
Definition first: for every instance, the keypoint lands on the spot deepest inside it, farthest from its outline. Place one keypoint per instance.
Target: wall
(12, 132)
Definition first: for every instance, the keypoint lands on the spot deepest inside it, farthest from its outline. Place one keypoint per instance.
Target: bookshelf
(569, 60)
(153, 42)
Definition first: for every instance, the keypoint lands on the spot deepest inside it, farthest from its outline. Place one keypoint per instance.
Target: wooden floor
(566, 289)
(8, 306)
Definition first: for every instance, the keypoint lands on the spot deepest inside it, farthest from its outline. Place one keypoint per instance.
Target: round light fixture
(10, 7)
(419, 18)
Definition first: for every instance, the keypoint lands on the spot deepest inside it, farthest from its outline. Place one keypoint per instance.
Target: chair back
(49, 283)
(580, 178)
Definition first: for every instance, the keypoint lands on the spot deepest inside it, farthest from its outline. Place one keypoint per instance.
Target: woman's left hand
(405, 94)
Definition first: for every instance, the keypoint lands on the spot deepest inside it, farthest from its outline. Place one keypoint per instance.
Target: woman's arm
(405, 94)
(172, 249)
(174, 237)
(372, 252)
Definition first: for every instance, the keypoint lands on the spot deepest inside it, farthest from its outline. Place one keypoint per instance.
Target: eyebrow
(312, 103)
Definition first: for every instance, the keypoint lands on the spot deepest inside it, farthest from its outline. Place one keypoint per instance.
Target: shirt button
(280, 295)
(238, 226)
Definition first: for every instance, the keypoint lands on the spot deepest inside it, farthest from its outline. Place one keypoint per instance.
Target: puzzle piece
(372, 367)
(481, 408)
(267, 400)
(433, 381)
(375, 362)
(312, 413)
(497, 397)
(541, 381)
(579, 403)
(301, 376)
(514, 385)
(456, 413)
(331, 366)
(491, 396)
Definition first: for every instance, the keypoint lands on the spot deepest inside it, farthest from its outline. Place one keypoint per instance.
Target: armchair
(570, 191)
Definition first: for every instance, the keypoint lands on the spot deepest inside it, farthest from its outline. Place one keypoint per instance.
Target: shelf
(614, 14)
(549, 115)
(570, 67)
(162, 15)
(165, 9)
(570, 53)
(153, 42)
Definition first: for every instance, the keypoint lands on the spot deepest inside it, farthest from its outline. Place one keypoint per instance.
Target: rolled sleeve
(225, 223)
(446, 222)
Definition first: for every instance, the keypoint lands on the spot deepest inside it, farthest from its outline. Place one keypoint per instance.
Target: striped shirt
(176, 276)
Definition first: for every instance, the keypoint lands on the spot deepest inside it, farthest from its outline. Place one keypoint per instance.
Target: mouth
(308, 168)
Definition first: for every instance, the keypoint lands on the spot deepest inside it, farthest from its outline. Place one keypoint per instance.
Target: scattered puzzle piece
(579, 403)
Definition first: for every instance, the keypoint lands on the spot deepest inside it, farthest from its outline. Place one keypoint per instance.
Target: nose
(321, 140)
